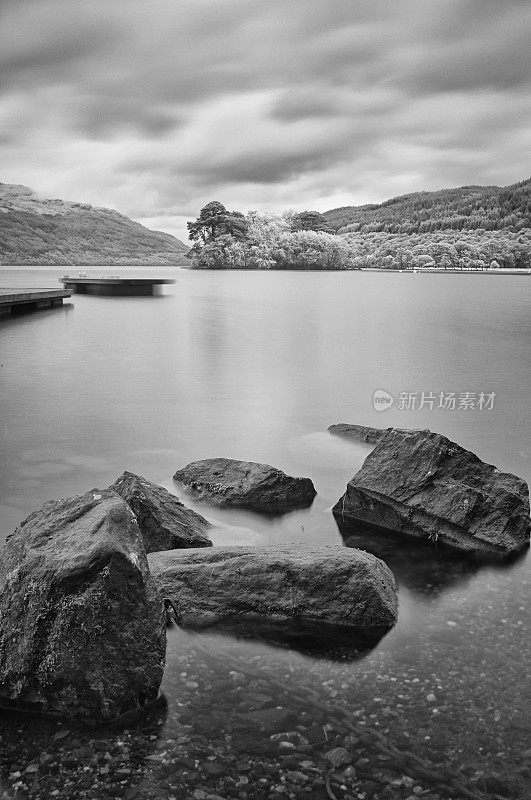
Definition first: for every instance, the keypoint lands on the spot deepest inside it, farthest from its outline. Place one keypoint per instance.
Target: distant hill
(37, 231)
(466, 208)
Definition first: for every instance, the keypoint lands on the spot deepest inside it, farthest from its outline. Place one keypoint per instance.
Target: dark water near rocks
(256, 366)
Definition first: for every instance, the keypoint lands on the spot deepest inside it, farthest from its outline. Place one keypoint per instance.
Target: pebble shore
(436, 712)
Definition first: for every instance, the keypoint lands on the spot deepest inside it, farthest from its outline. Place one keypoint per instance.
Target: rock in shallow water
(224, 481)
(358, 433)
(165, 523)
(82, 625)
(300, 595)
(422, 484)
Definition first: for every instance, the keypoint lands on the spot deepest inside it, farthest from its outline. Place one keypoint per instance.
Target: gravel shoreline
(427, 712)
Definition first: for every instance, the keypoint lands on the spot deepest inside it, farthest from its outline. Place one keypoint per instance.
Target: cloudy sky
(155, 107)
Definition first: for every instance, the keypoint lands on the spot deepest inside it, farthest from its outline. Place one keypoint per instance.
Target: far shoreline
(151, 267)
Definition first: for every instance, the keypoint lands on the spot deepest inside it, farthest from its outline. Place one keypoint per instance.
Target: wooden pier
(113, 286)
(20, 301)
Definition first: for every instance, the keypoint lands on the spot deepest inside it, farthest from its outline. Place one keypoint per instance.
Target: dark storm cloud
(262, 167)
(153, 104)
(485, 53)
(37, 44)
(100, 117)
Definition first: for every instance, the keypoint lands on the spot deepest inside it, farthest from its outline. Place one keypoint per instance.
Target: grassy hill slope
(466, 208)
(37, 231)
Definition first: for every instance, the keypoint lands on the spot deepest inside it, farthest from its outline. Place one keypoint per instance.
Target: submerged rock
(82, 626)
(305, 596)
(422, 484)
(165, 523)
(260, 487)
(358, 433)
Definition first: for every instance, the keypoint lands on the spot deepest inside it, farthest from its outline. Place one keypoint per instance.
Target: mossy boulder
(82, 625)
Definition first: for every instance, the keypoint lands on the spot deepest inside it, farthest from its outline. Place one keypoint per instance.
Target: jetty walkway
(19, 301)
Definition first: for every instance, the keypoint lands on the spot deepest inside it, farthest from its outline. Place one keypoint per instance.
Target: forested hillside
(36, 231)
(467, 208)
(443, 249)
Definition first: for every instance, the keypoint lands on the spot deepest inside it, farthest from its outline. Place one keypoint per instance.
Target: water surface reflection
(257, 366)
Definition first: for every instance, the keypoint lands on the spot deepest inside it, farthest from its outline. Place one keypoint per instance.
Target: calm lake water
(256, 366)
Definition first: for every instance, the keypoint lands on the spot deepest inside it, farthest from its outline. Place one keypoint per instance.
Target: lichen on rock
(82, 626)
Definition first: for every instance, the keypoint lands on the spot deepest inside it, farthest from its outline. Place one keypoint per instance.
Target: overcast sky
(155, 107)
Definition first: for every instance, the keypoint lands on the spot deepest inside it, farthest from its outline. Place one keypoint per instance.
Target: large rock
(358, 433)
(165, 523)
(260, 487)
(422, 484)
(82, 625)
(302, 595)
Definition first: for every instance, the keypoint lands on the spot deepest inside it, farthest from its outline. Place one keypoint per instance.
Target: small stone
(338, 757)
(350, 741)
(451, 623)
(431, 698)
(349, 772)
(286, 746)
(297, 777)
(272, 720)
(287, 736)
(214, 769)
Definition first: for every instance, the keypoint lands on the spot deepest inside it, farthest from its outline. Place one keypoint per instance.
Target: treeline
(478, 249)
(74, 234)
(225, 239)
(464, 209)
